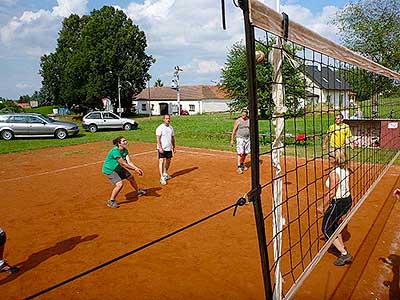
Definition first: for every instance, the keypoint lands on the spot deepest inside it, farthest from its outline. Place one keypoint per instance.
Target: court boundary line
(100, 161)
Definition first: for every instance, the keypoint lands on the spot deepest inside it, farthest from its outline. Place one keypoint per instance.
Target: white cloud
(34, 33)
(67, 7)
(318, 22)
(23, 86)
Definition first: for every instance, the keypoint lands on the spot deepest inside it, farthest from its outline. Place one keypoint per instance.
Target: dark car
(34, 125)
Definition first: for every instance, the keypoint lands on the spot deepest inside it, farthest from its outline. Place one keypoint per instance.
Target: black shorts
(165, 154)
(3, 239)
(336, 210)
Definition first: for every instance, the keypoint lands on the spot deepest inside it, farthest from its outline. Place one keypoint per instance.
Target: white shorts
(242, 145)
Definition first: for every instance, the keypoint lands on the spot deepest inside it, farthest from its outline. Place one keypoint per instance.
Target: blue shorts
(165, 154)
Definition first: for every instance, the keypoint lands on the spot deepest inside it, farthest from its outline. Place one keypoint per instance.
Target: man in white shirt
(165, 146)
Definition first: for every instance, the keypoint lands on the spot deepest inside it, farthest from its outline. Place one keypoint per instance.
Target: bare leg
(161, 166)
(338, 242)
(167, 164)
(239, 159)
(116, 190)
(133, 183)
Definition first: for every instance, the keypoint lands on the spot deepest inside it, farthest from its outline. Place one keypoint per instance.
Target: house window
(328, 98)
(152, 107)
(192, 107)
(341, 99)
(144, 106)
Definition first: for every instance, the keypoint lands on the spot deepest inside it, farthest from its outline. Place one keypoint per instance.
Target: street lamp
(119, 94)
(175, 86)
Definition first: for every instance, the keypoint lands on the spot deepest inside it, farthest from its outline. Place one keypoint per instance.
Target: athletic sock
(345, 252)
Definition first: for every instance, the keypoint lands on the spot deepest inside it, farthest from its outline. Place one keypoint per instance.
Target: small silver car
(96, 120)
(34, 125)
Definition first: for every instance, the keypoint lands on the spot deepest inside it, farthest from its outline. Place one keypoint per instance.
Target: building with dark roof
(195, 99)
(328, 85)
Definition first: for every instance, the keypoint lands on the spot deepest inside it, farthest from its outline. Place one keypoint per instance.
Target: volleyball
(260, 56)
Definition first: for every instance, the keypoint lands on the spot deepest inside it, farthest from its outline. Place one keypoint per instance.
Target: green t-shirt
(111, 164)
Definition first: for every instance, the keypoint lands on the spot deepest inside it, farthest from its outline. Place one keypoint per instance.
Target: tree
(92, 53)
(372, 28)
(234, 82)
(158, 83)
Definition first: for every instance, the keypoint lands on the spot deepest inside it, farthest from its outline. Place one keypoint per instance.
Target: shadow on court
(37, 258)
(133, 197)
(183, 172)
(393, 261)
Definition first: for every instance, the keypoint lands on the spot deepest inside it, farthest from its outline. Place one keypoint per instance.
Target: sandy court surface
(58, 226)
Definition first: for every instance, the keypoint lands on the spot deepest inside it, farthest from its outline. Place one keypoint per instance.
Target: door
(19, 124)
(111, 120)
(37, 126)
(164, 109)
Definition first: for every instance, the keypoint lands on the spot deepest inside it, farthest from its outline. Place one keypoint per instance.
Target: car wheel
(61, 134)
(127, 126)
(7, 135)
(92, 128)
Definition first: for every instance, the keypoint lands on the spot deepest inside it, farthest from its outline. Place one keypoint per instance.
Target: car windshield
(46, 118)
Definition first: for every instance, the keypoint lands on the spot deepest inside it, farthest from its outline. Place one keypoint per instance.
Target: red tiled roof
(188, 92)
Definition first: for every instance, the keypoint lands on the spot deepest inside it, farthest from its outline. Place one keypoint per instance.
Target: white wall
(193, 107)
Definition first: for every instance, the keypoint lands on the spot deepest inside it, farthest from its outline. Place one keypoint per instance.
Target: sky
(184, 33)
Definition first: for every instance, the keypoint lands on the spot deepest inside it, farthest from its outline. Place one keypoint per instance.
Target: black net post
(255, 194)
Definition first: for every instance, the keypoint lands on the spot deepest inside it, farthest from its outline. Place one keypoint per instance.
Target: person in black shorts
(4, 266)
(115, 168)
(165, 147)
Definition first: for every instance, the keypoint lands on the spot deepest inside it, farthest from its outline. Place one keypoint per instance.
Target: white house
(195, 99)
(326, 85)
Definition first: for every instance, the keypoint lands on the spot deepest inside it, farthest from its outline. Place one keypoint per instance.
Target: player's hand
(396, 193)
(139, 171)
(232, 142)
(174, 149)
(320, 209)
(160, 150)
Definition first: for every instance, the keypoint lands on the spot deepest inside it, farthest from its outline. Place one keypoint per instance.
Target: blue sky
(187, 33)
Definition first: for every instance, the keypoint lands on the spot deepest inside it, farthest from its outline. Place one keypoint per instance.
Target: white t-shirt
(342, 189)
(166, 133)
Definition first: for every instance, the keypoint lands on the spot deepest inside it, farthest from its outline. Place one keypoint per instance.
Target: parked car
(34, 125)
(96, 120)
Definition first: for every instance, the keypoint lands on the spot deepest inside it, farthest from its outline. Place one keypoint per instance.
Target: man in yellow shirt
(338, 135)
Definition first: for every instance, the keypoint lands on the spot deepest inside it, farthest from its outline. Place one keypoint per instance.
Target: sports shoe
(240, 170)
(5, 267)
(166, 176)
(343, 259)
(163, 181)
(244, 168)
(141, 192)
(112, 204)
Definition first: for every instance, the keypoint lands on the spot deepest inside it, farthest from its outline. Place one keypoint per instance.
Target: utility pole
(119, 96)
(175, 85)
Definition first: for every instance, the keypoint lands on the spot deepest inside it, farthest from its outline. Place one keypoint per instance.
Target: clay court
(58, 226)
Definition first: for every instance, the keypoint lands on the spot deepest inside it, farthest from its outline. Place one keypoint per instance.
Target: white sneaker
(141, 192)
(166, 176)
(163, 181)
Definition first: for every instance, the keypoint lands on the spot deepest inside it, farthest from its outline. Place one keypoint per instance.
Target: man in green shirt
(115, 168)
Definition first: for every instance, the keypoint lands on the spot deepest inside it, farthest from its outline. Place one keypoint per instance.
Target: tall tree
(158, 83)
(372, 28)
(234, 82)
(92, 53)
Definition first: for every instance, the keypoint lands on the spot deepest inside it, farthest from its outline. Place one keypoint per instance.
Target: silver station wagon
(96, 120)
(34, 125)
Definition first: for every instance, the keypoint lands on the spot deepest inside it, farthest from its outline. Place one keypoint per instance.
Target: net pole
(276, 60)
(255, 194)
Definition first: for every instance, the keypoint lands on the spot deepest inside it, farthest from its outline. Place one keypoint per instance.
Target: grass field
(210, 131)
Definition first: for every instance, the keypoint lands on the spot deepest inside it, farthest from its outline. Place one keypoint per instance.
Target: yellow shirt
(338, 135)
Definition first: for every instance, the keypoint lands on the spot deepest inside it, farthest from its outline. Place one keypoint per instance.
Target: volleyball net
(310, 82)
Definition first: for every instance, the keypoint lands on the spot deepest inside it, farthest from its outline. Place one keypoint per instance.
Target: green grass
(45, 110)
(203, 131)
